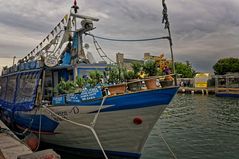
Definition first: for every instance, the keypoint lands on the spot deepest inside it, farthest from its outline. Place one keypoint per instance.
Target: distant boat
(91, 123)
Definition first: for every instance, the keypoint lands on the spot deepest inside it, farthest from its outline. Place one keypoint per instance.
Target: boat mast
(75, 61)
(167, 26)
(86, 25)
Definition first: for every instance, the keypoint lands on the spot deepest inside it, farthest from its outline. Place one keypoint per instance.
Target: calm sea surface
(195, 127)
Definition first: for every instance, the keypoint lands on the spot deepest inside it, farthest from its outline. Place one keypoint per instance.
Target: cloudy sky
(203, 31)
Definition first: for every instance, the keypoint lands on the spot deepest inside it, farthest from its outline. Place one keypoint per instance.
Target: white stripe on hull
(116, 129)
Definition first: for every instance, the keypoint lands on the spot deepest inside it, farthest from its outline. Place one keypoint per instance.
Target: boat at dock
(95, 121)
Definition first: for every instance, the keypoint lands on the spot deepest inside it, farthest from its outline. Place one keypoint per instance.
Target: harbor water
(195, 127)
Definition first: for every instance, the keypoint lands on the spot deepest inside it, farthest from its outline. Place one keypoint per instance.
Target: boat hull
(123, 125)
(118, 133)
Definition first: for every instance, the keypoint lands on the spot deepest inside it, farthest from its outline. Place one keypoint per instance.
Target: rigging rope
(128, 40)
(98, 49)
(39, 131)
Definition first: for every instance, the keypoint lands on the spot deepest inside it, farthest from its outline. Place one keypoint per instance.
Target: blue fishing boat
(93, 122)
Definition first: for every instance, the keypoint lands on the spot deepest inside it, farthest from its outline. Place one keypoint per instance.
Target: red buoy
(32, 142)
(138, 120)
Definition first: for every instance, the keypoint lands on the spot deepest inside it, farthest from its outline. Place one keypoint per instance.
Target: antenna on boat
(167, 26)
(75, 7)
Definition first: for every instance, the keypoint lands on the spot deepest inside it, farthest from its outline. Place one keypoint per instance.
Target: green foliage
(185, 70)
(81, 82)
(150, 68)
(131, 75)
(92, 82)
(114, 75)
(95, 78)
(65, 87)
(123, 74)
(96, 75)
(159, 72)
(137, 67)
(226, 65)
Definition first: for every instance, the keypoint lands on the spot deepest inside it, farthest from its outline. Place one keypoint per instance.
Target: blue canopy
(18, 91)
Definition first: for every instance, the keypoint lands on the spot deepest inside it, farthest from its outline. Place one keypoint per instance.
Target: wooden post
(227, 84)
(216, 84)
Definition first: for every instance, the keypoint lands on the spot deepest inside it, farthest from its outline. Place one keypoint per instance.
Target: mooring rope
(169, 148)
(39, 130)
(85, 126)
(97, 115)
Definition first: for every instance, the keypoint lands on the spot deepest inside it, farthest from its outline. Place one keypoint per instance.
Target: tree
(186, 71)
(226, 65)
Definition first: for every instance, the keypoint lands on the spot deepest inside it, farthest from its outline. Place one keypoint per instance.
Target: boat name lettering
(73, 98)
(75, 110)
(90, 94)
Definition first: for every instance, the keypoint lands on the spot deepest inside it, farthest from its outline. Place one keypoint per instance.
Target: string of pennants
(52, 34)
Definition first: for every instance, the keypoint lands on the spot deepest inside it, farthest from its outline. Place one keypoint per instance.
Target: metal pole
(42, 85)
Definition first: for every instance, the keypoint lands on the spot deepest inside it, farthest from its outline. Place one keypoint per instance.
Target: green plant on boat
(123, 74)
(114, 76)
(81, 82)
(95, 78)
(130, 75)
(137, 68)
(66, 87)
(150, 68)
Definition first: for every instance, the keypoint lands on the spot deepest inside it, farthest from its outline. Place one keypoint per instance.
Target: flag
(47, 37)
(52, 32)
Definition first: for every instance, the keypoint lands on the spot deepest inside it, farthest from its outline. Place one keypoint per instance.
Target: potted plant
(151, 69)
(134, 84)
(168, 79)
(115, 79)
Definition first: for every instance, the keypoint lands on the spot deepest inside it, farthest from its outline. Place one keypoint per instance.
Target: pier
(11, 147)
(192, 90)
(206, 91)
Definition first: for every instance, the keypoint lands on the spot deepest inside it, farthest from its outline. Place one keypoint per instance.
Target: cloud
(203, 31)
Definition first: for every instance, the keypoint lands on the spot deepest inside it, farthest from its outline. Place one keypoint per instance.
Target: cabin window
(26, 88)
(3, 83)
(11, 87)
